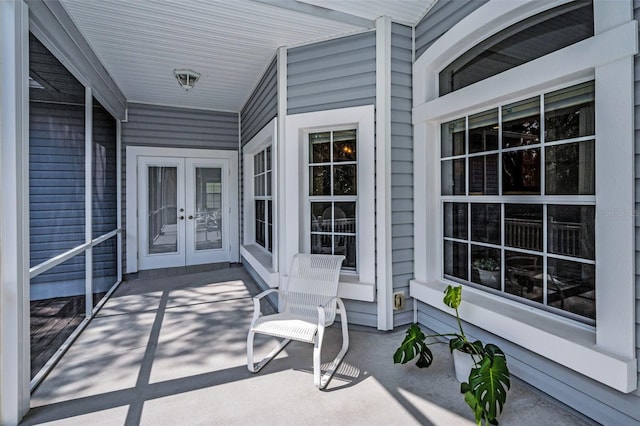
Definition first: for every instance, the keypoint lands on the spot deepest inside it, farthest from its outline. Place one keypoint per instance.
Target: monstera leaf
(413, 345)
(486, 392)
(452, 296)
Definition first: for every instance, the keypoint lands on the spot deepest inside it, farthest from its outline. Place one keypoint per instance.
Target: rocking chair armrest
(256, 302)
(321, 310)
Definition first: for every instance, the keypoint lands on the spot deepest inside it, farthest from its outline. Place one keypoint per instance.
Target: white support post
(14, 211)
(88, 197)
(119, 197)
(280, 256)
(384, 275)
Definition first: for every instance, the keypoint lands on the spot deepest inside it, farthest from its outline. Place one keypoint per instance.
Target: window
(500, 173)
(520, 43)
(328, 193)
(504, 229)
(263, 199)
(333, 193)
(259, 247)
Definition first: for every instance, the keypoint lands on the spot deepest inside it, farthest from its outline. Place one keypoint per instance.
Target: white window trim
(607, 57)
(264, 263)
(360, 286)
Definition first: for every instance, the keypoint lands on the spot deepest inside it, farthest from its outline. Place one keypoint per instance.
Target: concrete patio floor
(172, 351)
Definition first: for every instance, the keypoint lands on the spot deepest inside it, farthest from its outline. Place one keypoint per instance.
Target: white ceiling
(230, 42)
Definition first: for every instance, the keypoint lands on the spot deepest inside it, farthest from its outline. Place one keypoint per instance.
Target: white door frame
(131, 179)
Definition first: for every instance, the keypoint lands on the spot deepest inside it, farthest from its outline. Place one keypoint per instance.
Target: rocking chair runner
(309, 304)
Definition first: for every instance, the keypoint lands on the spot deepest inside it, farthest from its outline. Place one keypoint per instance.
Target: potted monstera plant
(487, 379)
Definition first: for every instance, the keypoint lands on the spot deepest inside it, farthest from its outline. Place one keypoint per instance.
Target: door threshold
(179, 270)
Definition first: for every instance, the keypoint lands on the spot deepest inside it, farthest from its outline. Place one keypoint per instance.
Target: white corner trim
(384, 275)
(279, 160)
(569, 344)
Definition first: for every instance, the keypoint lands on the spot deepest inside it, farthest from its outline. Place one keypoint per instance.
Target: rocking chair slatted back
(313, 281)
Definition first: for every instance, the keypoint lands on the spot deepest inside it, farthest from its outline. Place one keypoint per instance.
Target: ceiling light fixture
(186, 78)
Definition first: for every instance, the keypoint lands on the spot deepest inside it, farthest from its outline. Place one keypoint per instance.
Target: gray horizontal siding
(171, 127)
(401, 166)
(262, 105)
(56, 180)
(442, 16)
(361, 313)
(337, 73)
(161, 126)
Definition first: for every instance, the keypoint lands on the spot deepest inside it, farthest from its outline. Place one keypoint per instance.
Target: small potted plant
(488, 271)
(487, 382)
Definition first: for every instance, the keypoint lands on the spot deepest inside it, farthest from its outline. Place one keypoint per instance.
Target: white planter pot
(463, 362)
(490, 278)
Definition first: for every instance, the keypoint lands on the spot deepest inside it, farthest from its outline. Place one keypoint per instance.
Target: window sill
(351, 288)
(570, 344)
(261, 262)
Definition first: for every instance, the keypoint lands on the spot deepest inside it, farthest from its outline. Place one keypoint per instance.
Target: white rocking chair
(309, 304)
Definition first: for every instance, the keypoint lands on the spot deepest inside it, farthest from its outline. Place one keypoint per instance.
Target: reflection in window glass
(455, 220)
(571, 231)
(486, 266)
(521, 172)
(570, 113)
(524, 275)
(483, 131)
(455, 259)
(570, 169)
(521, 123)
(485, 223)
(523, 226)
(571, 287)
(453, 177)
(452, 138)
(344, 146)
(483, 175)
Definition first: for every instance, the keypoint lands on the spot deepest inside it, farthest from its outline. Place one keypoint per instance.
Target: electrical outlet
(398, 301)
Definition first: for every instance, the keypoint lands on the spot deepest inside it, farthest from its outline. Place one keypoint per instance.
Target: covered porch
(172, 350)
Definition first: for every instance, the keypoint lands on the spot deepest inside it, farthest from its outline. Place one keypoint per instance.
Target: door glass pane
(162, 211)
(208, 209)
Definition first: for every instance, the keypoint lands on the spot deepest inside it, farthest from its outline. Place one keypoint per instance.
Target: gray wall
(262, 105)
(401, 165)
(587, 396)
(171, 127)
(337, 73)
(442, 16)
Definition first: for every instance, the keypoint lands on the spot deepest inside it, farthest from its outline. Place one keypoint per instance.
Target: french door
(183, 211)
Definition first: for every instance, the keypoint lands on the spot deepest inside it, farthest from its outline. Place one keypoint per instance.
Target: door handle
(190, 217)
(181, 217)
